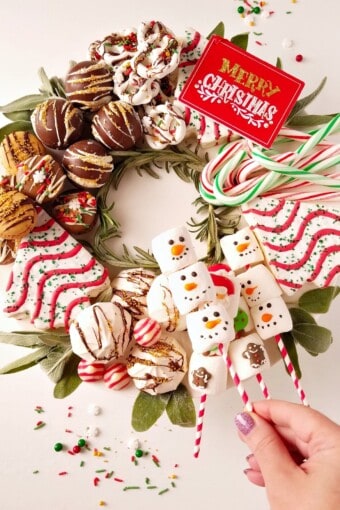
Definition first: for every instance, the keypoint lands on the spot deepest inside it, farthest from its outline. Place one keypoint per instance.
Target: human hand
(295, 455)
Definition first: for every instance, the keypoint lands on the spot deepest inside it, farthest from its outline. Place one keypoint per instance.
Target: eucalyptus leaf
(20, 115)
(318, 300)
(180, 409)
(23, 103)
(310, 120)
(302, 103)
(147, 409)
(55, 364)
(241, 40)
(218, 30)
(26, 362)
(289, 343)
(45, 82)
(313, 338)
(19, 125)
(21, 339)
(70, 379)
(300, 316)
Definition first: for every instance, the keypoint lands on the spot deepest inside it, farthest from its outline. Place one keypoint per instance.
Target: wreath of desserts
(166, 320)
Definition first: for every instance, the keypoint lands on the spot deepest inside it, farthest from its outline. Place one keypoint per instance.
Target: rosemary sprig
(216, 223)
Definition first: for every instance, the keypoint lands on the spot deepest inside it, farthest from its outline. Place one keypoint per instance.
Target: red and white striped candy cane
(199, 426)
(291, 370)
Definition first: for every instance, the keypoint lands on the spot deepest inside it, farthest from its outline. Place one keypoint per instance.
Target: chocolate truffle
(17, 147)
(57, 123)
(8, 249)
(89, 85)
(117, 126)
(17, 215)
(76, 211)
(88, 164)
(40, 178)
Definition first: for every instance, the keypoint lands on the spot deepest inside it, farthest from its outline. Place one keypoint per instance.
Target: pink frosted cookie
(116, 377)
(301, 240)
(53, 277)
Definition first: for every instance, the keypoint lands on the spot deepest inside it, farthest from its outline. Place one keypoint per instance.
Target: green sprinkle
(163, 492)
(36, 472)
(82, 464)
(39, 425)
(131, 487)
(107, 448)
(152, 487)
(101, 471)
(147, 481)
(173, 484)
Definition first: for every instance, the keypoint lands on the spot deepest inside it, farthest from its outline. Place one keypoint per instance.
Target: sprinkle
(68, 431)
(102, 503)
(58, 447)
(173, 484)
(139, 453)
(299, 58)
(70, 452)
(155, 460)
(133, 443)
(101, 471)
(109, 475)
(63, 473)
(131, 487)
(152, 487)
(39, 425)
(82, 464)
(118, 480)
(97, 453)
(36, 472)
(258, 33)
(39, 409)
(147, 481)
(173, 477)
(96, 481)
(107, 448)
(163, 492)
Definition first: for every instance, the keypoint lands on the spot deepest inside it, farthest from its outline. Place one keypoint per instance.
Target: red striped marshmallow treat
(147, 332)
(116, 377)
(91, 371)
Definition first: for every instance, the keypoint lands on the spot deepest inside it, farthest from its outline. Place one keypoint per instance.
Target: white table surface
(39, 33)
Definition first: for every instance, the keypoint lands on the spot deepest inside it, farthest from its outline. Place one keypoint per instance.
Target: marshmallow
(209, 327)
(173, 249)
(158, 369)
(130, 288)
(207, 374)
(161, 306)
(258, 284)
(248, 356)
(243, 320)
(227, 288)
(101, 332)
(241, 249)
(271, 318)
(192, 287)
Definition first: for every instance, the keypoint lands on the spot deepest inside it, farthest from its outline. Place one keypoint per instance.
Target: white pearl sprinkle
(287, 43)
(133, 443)
(94, 409)
(92, 431)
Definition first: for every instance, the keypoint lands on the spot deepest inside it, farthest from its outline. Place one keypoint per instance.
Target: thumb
(271, 453)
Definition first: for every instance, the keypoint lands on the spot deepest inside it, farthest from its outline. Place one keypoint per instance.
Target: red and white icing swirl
(53, 277)
(301, 240)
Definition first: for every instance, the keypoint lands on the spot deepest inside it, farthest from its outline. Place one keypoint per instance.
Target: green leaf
(305, 101)
(241, 40)
(315, 339)
(318, 300)
(26, 362)
(70, 380)
(180, 409)
(218, 30)
(23, 103)
(55, 364)
(278, 63)
(21, 115)
(20, 125)
(47, 87)
(21, 339)
(147, 409)
(289, 343)
(311, 120)
(300, 316)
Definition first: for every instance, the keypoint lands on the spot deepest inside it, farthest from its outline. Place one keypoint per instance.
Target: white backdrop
(50, 34)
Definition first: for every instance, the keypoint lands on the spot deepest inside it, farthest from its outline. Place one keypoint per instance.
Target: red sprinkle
(299, 58)
(63, 473)
(76, 449)
(96, 481)
(118, 480)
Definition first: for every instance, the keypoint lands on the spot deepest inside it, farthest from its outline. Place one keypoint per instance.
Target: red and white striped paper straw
(239, 386)
(263, 386)
(291, 370)
(199, 426)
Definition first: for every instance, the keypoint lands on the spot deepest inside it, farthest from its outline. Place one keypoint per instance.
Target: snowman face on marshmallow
(271, 318)
(173, 250)
(209, 327)
(241, 249)
(258, 284)
(191, 287)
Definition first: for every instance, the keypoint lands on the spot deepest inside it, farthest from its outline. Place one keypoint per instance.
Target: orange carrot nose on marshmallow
(190, 286)
(212, 324)
(266, 317)
(250, 291)
(177, 249)
(241, 247)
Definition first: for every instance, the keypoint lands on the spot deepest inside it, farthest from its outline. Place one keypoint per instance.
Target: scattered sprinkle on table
(39, 425)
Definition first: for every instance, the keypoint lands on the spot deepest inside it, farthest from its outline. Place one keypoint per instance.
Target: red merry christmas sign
(243, 92)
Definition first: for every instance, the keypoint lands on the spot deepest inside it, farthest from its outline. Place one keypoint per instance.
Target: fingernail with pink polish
(244, 422)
